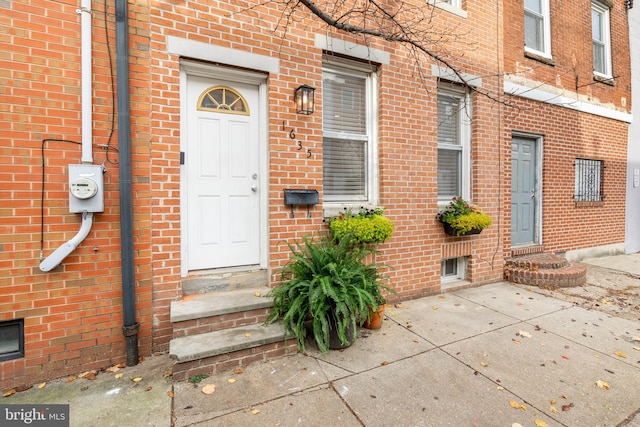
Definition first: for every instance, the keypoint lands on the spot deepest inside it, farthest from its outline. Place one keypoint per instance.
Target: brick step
(547, 271)
(228, 349)
(538, 261)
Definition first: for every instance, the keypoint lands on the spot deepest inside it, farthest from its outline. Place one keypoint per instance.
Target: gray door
(523, 191)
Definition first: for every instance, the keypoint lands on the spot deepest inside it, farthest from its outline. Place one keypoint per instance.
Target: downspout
(130, 327)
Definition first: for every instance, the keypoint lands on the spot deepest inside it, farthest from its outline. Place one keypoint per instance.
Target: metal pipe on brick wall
(87, 130)
(130, 327)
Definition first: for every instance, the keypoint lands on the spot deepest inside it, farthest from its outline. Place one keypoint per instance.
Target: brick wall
(568, 134)
(73, 314)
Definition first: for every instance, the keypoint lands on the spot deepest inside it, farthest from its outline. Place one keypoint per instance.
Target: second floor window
(601, 39)
(537, 29)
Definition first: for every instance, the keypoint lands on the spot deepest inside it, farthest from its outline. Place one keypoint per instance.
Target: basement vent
(11, 339)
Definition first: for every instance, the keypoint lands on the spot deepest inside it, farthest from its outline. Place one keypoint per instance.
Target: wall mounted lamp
(303, 97)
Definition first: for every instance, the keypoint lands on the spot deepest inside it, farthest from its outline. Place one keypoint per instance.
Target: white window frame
(603, 12)
(464, 136)
(546, 30)
(452, 6)
(461, 270)
(334, 203)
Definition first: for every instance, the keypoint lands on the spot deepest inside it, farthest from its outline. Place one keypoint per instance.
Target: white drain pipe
(87, 125)
(53, 260)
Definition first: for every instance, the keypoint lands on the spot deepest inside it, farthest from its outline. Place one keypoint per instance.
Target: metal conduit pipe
(130, 327)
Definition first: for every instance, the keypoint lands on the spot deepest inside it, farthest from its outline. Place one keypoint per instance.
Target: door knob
(254, 188)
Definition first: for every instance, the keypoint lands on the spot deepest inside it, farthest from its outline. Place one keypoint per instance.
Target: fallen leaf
(434, 308)
(524, 334)
(500, 387)
(442, 297)
(247, 334)
(553, 409)
(541, 423)
(568, 407)
(257, 294)
(255, 411)
(516, 425)
(238, 371)
(516, 341)
(148, 388)
(602, 384)
(620, 354)
(604, 301)
(517, 405)
(398, 305)
(87, 374)
(71, 379)
(22, 388)
(136, 379)
(209, 389)
(636, 348)
(115, 368)
(553, 401)
(231, 381)
(385, 363)
(484, 365)
(565, 357)
(170, 394)
(90, 376)
(9, 393)
(167, 374)
(41, 385)
(118, 376)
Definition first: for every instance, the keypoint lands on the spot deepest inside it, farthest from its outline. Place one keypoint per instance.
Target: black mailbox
(301, 197)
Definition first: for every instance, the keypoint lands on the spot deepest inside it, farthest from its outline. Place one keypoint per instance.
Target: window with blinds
(451, 107)
(346, 139)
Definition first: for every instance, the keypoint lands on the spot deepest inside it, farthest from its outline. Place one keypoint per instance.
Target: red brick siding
(73, 315)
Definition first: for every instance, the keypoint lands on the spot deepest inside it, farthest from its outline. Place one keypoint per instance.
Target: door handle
(254, 188)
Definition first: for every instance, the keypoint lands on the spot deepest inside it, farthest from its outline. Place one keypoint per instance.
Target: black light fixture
(303, 97)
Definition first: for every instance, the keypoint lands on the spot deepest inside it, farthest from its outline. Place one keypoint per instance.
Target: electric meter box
(86, 188)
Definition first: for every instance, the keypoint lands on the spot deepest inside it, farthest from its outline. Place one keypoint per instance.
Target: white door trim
(539, 140)
(192, 68)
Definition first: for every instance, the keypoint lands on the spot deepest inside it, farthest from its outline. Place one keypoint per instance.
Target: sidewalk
(460, 359)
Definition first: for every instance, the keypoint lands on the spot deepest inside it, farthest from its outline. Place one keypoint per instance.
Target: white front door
(222, 164)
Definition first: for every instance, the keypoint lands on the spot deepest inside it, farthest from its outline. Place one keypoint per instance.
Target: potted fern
(326, 289)
(461, 218)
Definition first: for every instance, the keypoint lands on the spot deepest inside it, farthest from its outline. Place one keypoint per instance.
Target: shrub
(365, 226)
(463, 216)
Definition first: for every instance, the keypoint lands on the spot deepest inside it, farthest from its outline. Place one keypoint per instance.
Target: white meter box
(86, 188)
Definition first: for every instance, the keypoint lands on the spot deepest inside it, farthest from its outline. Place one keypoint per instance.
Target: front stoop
(224, 330)
(545, 270)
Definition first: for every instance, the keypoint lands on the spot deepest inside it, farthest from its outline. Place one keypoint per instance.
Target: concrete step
(545, 270)
(217, 331)
(219, 303)
(224, 280)
(200, 346)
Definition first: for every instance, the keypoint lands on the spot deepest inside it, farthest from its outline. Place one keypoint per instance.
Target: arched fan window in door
(222, 99)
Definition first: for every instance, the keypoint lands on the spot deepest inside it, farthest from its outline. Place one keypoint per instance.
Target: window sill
(589, 204)
(449, 8)
(604, 79)
(539, 58)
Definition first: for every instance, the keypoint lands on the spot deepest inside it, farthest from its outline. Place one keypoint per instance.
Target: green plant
(463, 216)
(365, 226)
(198, 378)
(326, 278)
